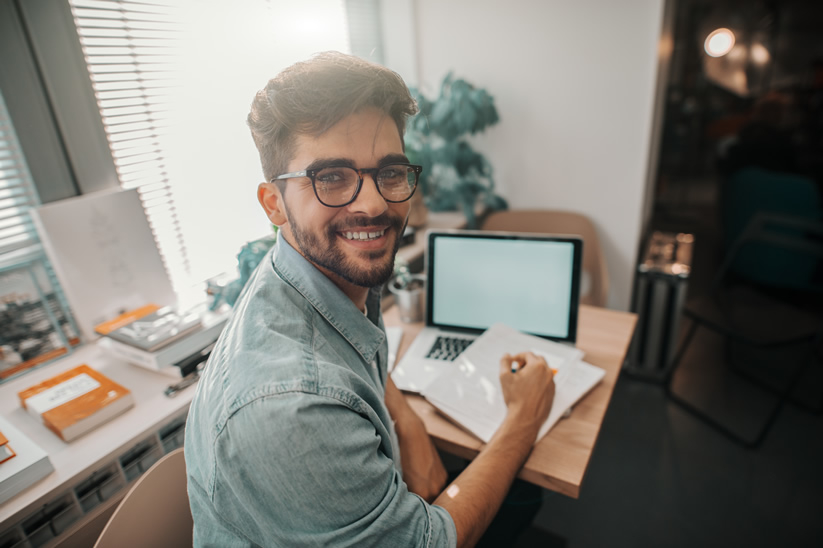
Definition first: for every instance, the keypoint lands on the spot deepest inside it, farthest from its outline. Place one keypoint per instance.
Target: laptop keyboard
(448, 348)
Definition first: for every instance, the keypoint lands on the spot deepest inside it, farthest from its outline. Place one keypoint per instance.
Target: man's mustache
(358, 222)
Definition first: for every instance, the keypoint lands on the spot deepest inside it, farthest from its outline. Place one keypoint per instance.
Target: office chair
(155, 512)
(595, 283)
(759, 298)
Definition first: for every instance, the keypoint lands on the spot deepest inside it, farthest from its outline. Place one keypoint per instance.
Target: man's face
(330, 237)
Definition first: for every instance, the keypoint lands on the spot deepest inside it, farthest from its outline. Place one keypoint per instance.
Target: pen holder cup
(411, 300)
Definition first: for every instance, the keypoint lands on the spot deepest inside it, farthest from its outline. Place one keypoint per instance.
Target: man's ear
(271, 199)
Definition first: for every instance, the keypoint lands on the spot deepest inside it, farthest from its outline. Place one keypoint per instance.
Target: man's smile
(364, 235)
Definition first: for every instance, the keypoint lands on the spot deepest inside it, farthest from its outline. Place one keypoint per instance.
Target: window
(18, 237)
(174, 81)
(35, 325)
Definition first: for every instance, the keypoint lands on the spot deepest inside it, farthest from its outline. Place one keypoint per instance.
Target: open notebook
(470, 393)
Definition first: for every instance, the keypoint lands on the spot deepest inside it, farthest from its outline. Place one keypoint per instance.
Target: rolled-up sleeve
(300, 469)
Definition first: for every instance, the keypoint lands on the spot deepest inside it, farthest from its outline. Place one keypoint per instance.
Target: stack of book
(161, 338)
(22, 462)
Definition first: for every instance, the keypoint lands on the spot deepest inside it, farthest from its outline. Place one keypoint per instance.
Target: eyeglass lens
(337, 185)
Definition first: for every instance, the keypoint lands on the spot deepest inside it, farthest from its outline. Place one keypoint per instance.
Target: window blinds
(18, 237)
(130, 49)
(365, 29)
(173, 80)
(35, 323)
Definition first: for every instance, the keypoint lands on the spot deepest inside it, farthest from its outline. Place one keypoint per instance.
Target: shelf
(70, 510)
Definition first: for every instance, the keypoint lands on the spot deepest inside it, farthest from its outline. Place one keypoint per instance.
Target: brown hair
(310, 97)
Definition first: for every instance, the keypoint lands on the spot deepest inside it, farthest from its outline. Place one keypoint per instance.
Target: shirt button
(374, 364)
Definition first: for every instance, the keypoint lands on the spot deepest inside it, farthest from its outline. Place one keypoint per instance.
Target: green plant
(401, 276)
(455, 176)
(248, 258)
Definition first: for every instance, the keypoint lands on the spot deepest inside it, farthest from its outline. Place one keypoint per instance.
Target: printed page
(470, 393)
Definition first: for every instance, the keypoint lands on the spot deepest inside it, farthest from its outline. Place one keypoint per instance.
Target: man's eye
(330, 177)
(392, 172)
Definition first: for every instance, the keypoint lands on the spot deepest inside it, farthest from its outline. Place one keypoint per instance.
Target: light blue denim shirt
(288, 440)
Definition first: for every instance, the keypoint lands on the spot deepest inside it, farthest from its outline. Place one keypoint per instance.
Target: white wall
(573, 81)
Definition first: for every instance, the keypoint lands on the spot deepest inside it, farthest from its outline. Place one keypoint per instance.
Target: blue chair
(755, 191)
(758, 299)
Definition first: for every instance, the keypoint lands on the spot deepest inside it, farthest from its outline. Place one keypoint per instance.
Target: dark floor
(661, 478)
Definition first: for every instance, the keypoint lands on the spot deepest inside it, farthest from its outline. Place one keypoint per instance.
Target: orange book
(76, 401)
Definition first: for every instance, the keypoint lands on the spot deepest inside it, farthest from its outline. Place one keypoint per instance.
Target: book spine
(133, 355)
(56, 431)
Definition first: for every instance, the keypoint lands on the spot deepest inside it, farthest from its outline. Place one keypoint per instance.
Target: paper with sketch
(393, 337)
(470, 392)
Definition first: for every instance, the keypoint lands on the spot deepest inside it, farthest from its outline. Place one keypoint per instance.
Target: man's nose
(369, 201)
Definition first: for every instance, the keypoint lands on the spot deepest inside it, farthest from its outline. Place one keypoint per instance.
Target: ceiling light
(760, 54)
(719, 42)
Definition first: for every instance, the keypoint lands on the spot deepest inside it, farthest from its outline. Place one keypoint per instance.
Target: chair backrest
(155, 512)
(594, 287)
(754, 191)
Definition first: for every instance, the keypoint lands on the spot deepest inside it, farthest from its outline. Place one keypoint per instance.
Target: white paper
(102, 248)
(393, 337)
(470, 392)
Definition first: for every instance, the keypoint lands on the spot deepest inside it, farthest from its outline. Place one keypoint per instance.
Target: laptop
(530, 282)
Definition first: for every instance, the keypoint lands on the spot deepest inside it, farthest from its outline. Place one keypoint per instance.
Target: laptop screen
(530, 282)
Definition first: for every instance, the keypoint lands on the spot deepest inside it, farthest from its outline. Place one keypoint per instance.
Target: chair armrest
(766, 228)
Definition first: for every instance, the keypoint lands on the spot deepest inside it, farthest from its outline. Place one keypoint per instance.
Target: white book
(29, 465)
(470, 394)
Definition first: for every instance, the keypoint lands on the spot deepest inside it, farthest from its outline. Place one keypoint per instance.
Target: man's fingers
(523, 356)
(509, 363)
(528, 358)
(505, 363)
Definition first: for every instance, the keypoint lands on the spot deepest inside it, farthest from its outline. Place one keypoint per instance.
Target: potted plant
(227, 291)
(409, 291)
(455, 176)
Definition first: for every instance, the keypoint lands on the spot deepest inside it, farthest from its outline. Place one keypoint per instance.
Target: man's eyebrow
(393, 159)
(321, 163)
(388, 159)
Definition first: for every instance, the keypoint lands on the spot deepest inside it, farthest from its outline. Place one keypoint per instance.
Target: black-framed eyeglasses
(338, 186)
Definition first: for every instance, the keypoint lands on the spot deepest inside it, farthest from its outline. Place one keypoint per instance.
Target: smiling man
(296, 435)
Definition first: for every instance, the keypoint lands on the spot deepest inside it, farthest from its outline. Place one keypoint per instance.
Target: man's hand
(423, 470)
(528, 392)
(475, 496)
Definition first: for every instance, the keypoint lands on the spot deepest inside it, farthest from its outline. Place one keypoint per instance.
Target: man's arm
(474, 497)
(423, 470)
(300, 469)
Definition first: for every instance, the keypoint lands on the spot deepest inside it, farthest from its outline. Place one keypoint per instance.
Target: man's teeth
(364, 235)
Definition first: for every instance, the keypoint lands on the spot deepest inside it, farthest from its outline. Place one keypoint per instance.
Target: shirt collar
(362, 331)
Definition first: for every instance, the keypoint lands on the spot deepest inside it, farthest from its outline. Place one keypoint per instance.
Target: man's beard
(328, 255)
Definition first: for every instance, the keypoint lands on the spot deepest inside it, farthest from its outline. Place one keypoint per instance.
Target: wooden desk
(559, 461)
